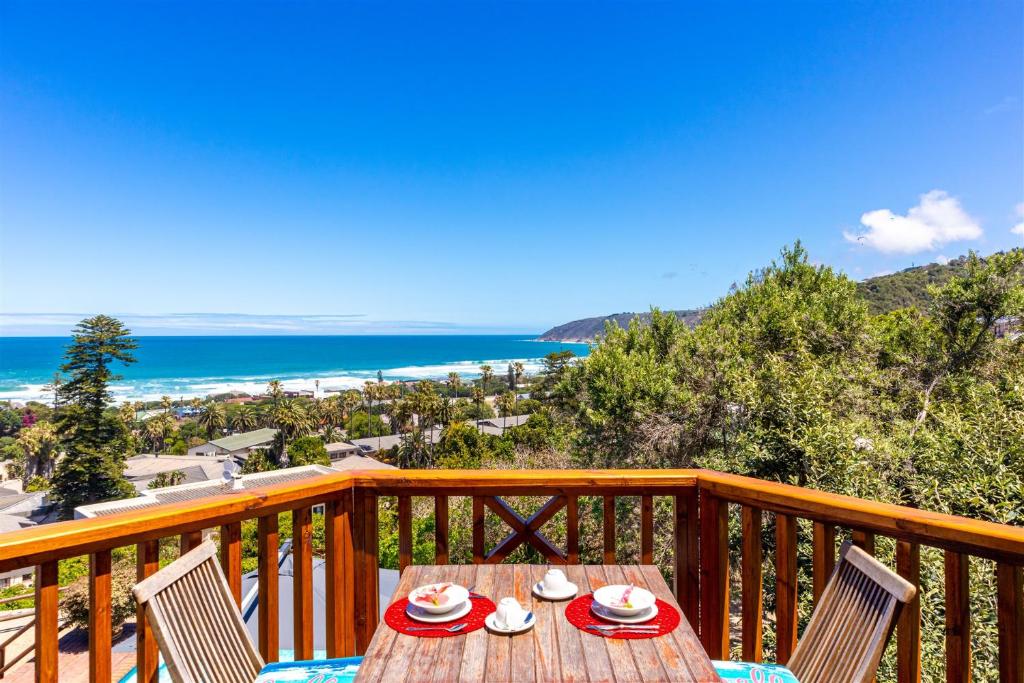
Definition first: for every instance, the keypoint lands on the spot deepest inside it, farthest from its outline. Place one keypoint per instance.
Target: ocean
(184, 367)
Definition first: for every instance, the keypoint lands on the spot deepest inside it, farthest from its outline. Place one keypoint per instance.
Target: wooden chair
(197, 624)
(851, 624)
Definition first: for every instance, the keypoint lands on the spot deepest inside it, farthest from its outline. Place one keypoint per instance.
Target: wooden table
(554, 650)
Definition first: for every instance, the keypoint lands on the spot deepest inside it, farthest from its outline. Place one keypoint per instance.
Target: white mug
(510, 613)
(554, 581)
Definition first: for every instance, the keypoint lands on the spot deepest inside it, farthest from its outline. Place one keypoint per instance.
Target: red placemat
(396, 617)
(579, 614)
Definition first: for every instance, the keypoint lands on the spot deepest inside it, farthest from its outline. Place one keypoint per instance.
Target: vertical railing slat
(302, 582)
(366, 567)
(687, 559)
(99, 617)
(572, 530)
(1010, 596)
(823, 559)
(441, 529)
(404, 532)
(268, 587)
(646, 529)
(908, 634)
(714, 575)
(340, 589)
(958, 618)
(478, 529)
(146, 652)
(785, 586)
(865, 540)
(752, 584)
(609, 529)
(46, 622)
(231, 557)
(190, 540)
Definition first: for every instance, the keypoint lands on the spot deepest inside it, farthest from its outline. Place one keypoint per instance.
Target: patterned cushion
(311, 671)
(754, 673)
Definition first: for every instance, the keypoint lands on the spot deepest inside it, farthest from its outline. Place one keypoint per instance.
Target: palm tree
(331, 411)
(331, 434)
(454, 382)
(478, 400)
(54, 386)
(213, 419)
(486, 373)
(401, 414)
(505, 403)
(445, 410)
(292, 419)
(165, 403)
(275, 390)
(155, 428)
(245, 418)
(517, 371)
(349, 402)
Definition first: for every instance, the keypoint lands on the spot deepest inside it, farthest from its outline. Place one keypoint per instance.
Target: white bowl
(451, 597)
(610, 597)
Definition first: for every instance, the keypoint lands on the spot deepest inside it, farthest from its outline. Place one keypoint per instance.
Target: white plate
(641, 618)
(492, 625)
(426, 617)
(569, 591)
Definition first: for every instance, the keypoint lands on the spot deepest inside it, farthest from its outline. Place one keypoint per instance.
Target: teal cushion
(340, 670)
(754, 673)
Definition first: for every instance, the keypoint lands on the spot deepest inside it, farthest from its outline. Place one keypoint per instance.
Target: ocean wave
(152, 389)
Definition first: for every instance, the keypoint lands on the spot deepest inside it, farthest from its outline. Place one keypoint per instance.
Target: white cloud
(1019, 228)
(937, 220)
(942, 260)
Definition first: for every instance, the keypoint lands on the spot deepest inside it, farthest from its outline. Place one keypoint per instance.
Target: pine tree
(92, 440)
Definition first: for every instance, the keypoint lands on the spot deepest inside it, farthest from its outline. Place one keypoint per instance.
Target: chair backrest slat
(196, 622)
(852, 623)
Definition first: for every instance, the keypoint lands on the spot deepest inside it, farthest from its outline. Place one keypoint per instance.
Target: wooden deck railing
(700, 553)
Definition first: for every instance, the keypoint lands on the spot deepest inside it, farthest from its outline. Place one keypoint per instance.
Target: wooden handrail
(961, 534)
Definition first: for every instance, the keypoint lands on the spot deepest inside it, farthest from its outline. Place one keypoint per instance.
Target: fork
(450, 629)
(638, 628)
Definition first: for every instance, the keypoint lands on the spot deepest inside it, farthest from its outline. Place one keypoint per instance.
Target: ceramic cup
(555, 581)
(510, 613)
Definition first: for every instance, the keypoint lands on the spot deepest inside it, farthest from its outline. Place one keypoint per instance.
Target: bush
(75, 602)
(308, 450)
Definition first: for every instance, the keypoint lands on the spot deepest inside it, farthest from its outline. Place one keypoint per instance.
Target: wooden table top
(554, 650)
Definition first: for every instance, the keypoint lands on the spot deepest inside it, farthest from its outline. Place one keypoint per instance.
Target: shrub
(75, 602)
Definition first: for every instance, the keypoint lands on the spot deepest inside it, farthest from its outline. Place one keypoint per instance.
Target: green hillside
(908, 287)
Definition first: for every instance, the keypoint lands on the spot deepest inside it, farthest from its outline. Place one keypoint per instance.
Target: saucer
(608, 615)
(426, 617)
(569, 591)
(490, 621)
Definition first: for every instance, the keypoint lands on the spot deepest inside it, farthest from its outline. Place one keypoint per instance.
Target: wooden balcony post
(908, 633)
(302, 582)
(46, 622)
(714, 575)
(785, 587)
(753, 589)
(99, 617)
(609, 529)
(824, 557)
(646, 529)
(1010, 581)
(958, 618)
(231, 557)
(340, 586)
(404, 532)
(146, 651)
(441, 529)
(268, 587)
(366, 566)
(478, 530)
(572, 530)
(687, 558)
(190, 540)
(865, 540)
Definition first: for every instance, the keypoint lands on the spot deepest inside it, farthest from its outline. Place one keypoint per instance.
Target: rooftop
(237, 442)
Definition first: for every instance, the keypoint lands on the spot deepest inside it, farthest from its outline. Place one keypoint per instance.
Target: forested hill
(883, 293)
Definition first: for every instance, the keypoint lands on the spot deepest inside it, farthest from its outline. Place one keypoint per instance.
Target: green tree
(213, 419)
(245, 418)
(92, 467)
(308, 450)
(164, 479)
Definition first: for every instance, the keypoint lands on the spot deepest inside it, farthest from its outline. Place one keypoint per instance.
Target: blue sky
(486, 167)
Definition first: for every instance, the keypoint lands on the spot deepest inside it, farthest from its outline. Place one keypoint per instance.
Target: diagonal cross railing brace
(525, 530)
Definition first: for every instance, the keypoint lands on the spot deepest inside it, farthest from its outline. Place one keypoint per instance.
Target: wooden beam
(478, 530)
(958, 618)
(46, 623)
(646, 529)
(340, 579)
(908, 630)
(572, 530)
(687, 556)
(865, 540)
(752, 584)
(1010, 581)
(404, 532)
(268, 587)
(440, 529)
(785, 587)
(146, 651)
(823, 561)
(302, 582)
(99, 617)
(367, 568)
(714, 576)
(190, 540)
(609, 529)
(231, 557)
